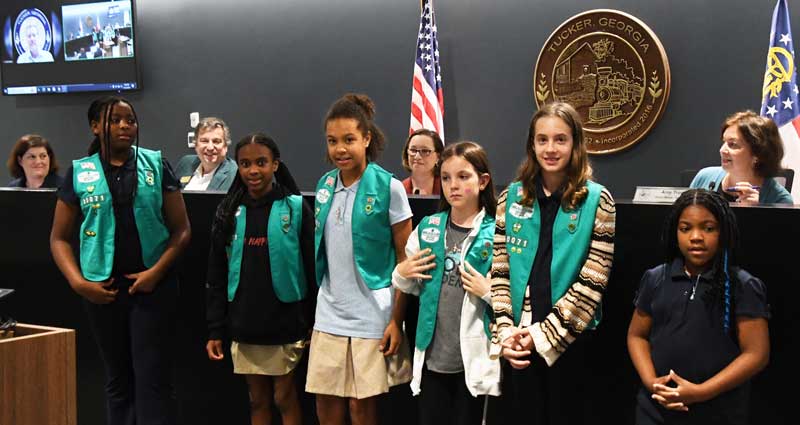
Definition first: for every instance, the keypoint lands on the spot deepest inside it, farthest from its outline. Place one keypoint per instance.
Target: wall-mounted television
(67, 46)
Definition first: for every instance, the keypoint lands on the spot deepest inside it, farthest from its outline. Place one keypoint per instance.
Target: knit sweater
(570, 314)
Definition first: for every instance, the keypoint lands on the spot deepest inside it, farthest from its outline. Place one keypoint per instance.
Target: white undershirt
(200, 181)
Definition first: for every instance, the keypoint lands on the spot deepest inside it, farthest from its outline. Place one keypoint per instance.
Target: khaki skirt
(272, 360)
(354, 367)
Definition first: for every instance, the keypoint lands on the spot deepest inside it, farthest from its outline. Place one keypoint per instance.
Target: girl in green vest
(449, 256)
(259, 275)
(553, 248)
(133, 226)
(362, 223)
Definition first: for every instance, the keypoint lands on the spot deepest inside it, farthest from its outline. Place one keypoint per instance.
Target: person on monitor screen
(33, 51)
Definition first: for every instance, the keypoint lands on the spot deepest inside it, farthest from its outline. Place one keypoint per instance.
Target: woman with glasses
(421, 158)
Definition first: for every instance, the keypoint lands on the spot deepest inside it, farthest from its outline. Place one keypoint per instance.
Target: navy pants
(445, 400)
(135, 335)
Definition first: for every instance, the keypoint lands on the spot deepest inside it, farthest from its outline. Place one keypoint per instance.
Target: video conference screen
(63, 46)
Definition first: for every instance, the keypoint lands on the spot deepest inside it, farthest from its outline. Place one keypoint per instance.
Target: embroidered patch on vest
(149, 178)
(238, 211)
(516, 227)
(434, 220)
(88, 166)
(323, 195)
(520, 211)
(329, 181)
(431, 235)
(88, 176)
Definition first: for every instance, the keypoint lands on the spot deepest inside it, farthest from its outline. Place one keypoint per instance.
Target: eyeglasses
(422, 152)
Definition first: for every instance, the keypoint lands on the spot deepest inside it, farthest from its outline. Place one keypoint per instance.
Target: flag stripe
(427, 98)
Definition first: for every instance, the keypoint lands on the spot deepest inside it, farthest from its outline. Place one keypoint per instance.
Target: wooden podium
(37, 376)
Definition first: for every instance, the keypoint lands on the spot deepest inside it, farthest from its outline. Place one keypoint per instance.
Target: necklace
(456, 246)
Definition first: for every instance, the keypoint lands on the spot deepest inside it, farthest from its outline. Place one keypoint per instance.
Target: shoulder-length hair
(763, 137)
(579, 171)
(23, 144)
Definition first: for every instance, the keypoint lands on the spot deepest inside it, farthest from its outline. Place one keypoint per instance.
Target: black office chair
(785, 177)
(687, 176)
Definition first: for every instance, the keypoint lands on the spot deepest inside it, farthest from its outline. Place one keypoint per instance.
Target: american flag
(779, 94)
(427, 102)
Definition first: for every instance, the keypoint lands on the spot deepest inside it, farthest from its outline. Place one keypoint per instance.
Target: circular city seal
(32, 27)
(613, 69)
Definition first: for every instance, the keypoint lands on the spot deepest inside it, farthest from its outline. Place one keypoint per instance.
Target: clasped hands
(677, 396)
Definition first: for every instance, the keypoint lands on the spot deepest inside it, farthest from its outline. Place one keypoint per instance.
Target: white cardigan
(481, 374)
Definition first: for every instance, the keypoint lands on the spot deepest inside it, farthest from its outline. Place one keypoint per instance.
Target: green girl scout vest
(283, 239)
(431, 231)
(373, 246)
(98, 227)
(572, 232)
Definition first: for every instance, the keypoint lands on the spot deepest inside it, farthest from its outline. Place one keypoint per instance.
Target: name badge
(431, 235)
(520, 211)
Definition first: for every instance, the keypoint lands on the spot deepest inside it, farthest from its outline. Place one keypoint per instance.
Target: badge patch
(431, 235)
(520, 211)
(238, 211)
(149, 178)
(88, 176)
(330, 181)
(434, 221)
(519, 191)
(323, 195)
(87, 166)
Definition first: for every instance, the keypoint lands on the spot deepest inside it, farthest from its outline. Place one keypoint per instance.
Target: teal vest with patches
(373, 245)
(431, 233)
(572, 233)
(98, 227)
(283, 239)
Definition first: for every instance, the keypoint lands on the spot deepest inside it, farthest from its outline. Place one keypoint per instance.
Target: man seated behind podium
(750, 157)
(210, 169)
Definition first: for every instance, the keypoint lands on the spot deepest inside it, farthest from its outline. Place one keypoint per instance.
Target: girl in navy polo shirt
(698, 298)
(133, 226)
(261, 278)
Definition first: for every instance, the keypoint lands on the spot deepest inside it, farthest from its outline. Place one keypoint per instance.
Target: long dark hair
(100, 112)
(476, 156)
(724, 258)
(362, 109)
(224, 223)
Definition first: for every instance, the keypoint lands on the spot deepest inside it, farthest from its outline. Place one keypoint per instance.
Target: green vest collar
(431, 232)
(373, 246)
(572, 232)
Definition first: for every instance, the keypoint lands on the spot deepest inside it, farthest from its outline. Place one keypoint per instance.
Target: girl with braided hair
(133, 226)
(698, 297)
(261, 278)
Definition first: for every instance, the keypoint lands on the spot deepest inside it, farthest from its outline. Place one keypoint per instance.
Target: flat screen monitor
(66, 46)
